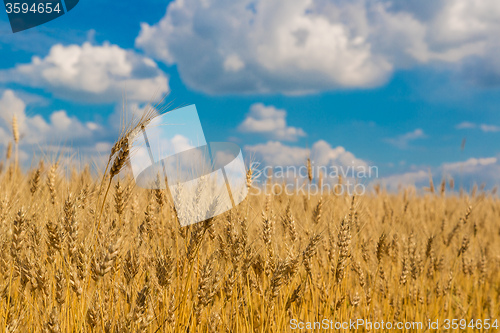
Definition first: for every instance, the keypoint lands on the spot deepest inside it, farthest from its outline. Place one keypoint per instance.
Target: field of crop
(275, 258)
(65, 267)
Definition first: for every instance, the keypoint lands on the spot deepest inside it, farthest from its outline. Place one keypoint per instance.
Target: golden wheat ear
(15, 134)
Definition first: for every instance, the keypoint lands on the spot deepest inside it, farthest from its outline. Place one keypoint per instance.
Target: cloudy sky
(395, 84)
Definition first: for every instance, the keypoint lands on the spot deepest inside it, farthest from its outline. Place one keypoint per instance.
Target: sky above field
(400, 85)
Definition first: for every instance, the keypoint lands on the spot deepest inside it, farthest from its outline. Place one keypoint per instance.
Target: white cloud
(303, 46)
(469, 166)
(403, 141)
(11, 105)
(489, 128)
(324, 154)
(483, 127)
(261, 46)
(465, 173)
(414, 178)
(290, 163)
(465, 125)
(92, 73)
(35, 129)
(60, 135)
(278, 154)
(271, 122)
(321, 153)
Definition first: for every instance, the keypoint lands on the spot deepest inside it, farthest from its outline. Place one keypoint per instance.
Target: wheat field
(81, 253)
(381, 256)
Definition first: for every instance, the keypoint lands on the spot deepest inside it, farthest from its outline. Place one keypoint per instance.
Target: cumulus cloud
(63, 135)
(261, 46)
(290, 163)
(271, 122)
(404, 140)
(304, 46)
(275, 153)
(58, 134)
(34, 129)
(91, 73)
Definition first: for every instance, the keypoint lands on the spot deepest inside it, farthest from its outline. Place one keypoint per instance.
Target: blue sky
(396, 84)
